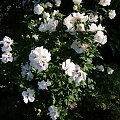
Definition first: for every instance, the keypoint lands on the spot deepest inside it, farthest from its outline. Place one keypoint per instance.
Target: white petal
(25, 99)
(31, 99)
(110, 70)
(24, 93)
(48, 83)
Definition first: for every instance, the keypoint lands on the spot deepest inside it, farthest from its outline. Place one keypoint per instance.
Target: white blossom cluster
(50, 23)
(74, 71)
(29, 95)
(6, 48)
(39, 58)
(111, 13)
(99, 34)
(75, 22)
(53, 112)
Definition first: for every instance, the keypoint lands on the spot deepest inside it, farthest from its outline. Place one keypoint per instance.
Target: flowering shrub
(6, 48)
(57, 62)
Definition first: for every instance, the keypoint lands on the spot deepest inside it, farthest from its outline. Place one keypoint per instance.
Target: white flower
(80, 27)
(73, 18)
(78, 75)
(28, 95)
(52, 24)
(93, 27)
(69, 23)
(7, 57)
(100, 68)
(29, 76)
(49, 26)
(6, 48)
(68, 66)
(53, 112)
(43, 27)
(35, 36)
(100, 28)
(100, 37)
(25, 68)
(43, 85)
(78, 47)
(46, 16)
(73, 71)
(112, 14)
(26, 72)
(80, 17)
(110, 70)
(38, 9)
(42, 53)
(49, 4)
(55, 12)
(39, 58)
(105, 2)
(57, 3)
(7, 41)
(93, 18)
(77, 2)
